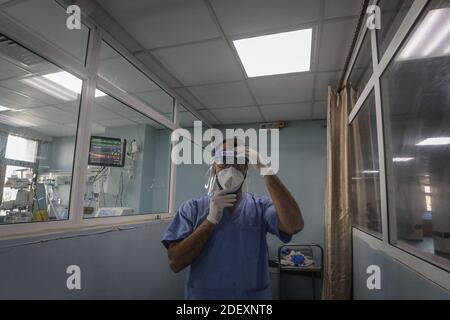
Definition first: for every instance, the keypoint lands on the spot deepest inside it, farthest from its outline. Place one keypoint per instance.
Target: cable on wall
(113, 229)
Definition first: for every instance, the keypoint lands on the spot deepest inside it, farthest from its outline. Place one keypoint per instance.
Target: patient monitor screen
(108, 152)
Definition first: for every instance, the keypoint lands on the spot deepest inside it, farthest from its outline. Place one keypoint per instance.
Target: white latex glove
(256, 160)
(217, 203)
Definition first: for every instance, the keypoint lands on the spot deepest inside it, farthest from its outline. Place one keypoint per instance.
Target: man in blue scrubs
(221, 237)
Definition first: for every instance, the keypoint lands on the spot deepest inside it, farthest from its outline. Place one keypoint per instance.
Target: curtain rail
(352, 46)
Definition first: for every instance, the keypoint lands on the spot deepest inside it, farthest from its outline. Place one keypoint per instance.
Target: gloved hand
(217, 203)
(259, 162)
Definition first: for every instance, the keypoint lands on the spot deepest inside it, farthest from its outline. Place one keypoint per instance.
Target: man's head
(230, 165)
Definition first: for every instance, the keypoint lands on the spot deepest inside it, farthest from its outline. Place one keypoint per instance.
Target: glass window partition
(415, 101)
(365, 170)
(129, 162)
(116, 69)
(39, 106)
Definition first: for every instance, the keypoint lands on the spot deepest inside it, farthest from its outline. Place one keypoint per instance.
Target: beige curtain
(337, 282)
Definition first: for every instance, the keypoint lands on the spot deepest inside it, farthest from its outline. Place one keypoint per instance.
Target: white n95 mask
(230, 179)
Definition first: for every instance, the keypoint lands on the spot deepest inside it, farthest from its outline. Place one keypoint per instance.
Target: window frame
(88, 74)
(417, 261)
(373, 233)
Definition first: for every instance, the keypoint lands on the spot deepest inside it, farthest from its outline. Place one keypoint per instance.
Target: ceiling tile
(209, 116)
(122, 122)
(252, 16)
(323, 80)
(124, 75)
(9, 70)
(142, 119)
(32, 120)
(100, 113)
(283, 89)
(70, 107)
(108, 52)
(159, 100)
(320, 110)
(15, 100)
(186, 119)
(10, 119)
(184, 93)
(54, 115)
(97, 129)
(153, 64)
(223, 95)
(47, 20)
(291, 111)
(238, 115)
(139, 118)
(342, 8)
(40, 97)
(157, 23)
(114, 106)
(57, 130)
(335, 44)
(200, 63)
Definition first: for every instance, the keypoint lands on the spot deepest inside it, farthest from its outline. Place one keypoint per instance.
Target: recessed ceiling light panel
(437, 141)
(402, 159)
(431, 38)
(278, 53)
(61, 85)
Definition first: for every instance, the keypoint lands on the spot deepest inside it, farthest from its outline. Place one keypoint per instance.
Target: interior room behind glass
(415, 100)
(39, 105)
(39, 109)
(129, 162)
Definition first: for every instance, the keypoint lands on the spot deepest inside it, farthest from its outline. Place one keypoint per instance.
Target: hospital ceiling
(188, 44)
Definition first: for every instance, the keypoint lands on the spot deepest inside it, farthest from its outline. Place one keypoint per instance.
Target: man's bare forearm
(183, 253)
(289, 214)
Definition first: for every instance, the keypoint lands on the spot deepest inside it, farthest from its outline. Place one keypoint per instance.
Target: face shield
(228, 169)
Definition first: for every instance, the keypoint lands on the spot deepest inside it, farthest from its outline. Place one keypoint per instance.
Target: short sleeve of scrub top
(182, 224)
(271, 218)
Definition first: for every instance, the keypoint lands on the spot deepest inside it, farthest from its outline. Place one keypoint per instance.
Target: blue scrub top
(234, 261)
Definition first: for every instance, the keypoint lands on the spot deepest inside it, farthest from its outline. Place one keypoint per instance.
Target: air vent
(273, 125)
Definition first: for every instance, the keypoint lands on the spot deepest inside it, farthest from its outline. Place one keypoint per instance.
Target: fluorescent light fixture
(370, 171)
(50, 88)
(431, 38)
(402, 159)
(277, 53)
(70, 82)
(438, 141)
(99, 93)
(427, 189)
(66, 80)
(439, 38)
(61, 85)
(428, 203)
(2, 108)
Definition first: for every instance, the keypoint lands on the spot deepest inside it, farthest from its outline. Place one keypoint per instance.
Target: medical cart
(314, 271)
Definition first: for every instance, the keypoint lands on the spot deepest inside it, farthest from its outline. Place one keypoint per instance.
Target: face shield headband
(224, 157)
